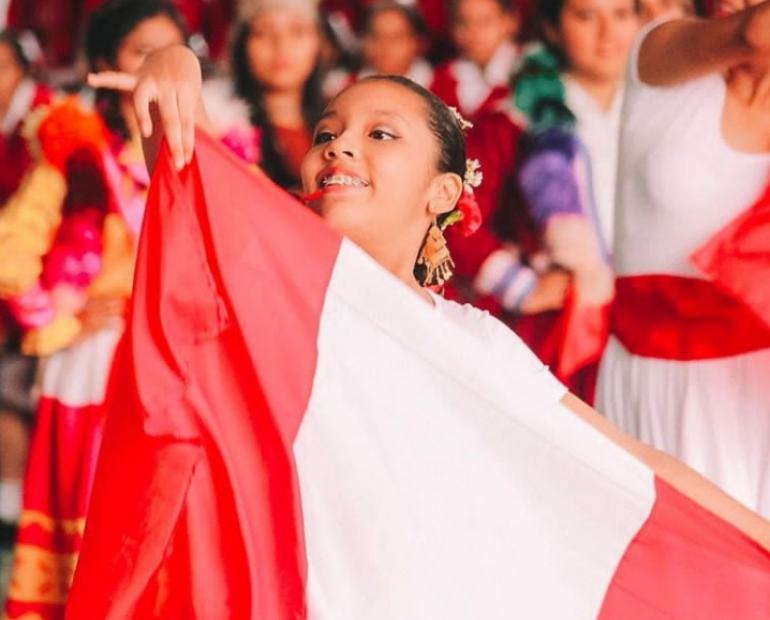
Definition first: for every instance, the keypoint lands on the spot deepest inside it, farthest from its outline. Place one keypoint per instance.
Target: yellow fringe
(28, 224)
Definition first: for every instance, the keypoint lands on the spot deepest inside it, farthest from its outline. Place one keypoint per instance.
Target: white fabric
(21, 102)
(475, 84)
(599, 132)
(679, 183)
(714, 414)
(77, 376)
(10, 500)
(418, 418)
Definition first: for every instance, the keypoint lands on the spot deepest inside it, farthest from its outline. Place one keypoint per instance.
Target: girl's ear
(446, 191)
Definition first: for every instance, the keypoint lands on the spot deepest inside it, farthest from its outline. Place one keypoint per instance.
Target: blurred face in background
(11, 74)
(149, 36)
(390, 45)
(480, 27)
(283, 48)
(596, 37)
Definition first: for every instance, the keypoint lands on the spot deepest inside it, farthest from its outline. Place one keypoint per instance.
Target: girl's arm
(682, 50)
(167, 101)
(678, 475)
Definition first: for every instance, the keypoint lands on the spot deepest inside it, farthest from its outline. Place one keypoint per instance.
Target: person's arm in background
(681, 50)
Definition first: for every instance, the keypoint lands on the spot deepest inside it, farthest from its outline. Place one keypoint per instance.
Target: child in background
(393, 41)
(275, 60)
(477, 79)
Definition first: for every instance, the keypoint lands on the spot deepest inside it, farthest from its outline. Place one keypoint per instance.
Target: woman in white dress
(687, 367)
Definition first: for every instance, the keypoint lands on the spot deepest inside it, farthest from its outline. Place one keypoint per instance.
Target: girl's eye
(381, 134)
(322, 137)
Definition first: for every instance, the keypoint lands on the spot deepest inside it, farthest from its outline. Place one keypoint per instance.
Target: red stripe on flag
(686, 562)
(196, 511)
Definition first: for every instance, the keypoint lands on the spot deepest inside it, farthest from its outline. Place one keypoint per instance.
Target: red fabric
(195, 510)
(677, 318)
(578, 339)
(62, 460)
(687, 563)
(737, 258)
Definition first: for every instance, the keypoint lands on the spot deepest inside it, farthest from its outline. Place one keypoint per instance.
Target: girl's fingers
(187, 100)
(168, 108)
(113, 80)
(143, 97)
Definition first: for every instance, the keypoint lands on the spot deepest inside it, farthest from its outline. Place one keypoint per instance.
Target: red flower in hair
(471, 214)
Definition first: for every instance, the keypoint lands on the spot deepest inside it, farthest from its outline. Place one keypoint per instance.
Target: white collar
(474, 84)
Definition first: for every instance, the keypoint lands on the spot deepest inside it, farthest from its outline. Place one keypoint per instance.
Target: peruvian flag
(295, 434)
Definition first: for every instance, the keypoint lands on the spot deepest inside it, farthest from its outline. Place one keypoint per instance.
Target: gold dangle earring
(434, 262)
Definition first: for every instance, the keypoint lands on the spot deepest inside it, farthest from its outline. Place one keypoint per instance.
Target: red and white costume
(471, 89)
(688, 367)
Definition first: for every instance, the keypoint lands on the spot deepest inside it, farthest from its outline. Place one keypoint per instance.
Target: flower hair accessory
(473, 175)
(464, 124)
(467, 212)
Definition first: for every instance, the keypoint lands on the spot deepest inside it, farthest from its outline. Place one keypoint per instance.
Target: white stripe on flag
(409, 438)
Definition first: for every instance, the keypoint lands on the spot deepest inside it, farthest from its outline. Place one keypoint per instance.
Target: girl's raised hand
(171, 79)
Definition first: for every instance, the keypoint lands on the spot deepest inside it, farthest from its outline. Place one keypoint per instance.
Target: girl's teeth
(343, 180)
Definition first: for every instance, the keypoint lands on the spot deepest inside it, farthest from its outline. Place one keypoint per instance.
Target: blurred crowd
(542, 82)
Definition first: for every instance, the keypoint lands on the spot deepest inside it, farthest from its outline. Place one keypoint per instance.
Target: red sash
(678, 318)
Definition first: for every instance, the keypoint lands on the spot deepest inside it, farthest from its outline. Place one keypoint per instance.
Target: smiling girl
(387, 169)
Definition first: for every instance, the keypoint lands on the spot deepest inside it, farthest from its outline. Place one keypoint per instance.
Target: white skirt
(714, 415)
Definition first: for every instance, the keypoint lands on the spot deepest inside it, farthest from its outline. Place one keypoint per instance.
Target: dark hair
(412, 15)
(248, 88)
(507, 6)
(108, 27)
(11, 38)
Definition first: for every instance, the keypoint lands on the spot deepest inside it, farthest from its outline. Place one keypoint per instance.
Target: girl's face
(283, 49)
(596, 36)
(390, 45)
(11, 74)
(376, 159)
(480, 27)
(149, 35)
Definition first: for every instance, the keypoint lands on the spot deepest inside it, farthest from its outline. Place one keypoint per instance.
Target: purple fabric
(549, 186)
